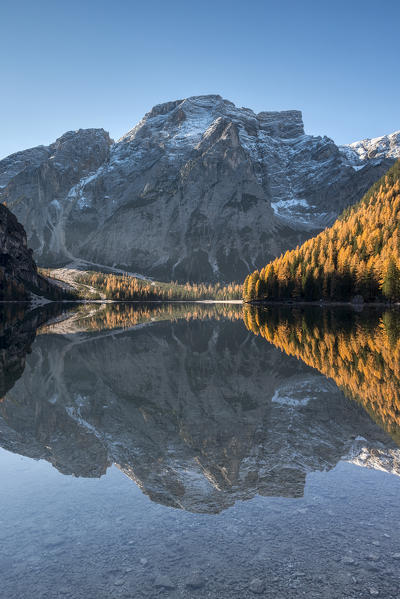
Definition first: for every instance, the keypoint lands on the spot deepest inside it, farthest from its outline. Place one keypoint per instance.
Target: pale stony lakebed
(179, 452)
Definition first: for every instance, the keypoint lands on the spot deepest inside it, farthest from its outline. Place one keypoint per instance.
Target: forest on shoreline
(128, 288)
(358, 256)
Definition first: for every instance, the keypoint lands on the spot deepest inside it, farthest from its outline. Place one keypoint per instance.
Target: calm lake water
(199, 451)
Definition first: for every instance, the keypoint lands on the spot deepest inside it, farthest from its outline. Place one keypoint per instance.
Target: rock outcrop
(199, 190)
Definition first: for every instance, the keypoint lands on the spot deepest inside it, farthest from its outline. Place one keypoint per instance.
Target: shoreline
(46, 301)
(37, 303)
(321, 304)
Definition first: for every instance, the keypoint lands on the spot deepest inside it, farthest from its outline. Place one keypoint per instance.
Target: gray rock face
(35, 184)
(198, 190)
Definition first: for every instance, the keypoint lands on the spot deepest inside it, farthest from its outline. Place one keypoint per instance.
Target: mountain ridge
(198, 190)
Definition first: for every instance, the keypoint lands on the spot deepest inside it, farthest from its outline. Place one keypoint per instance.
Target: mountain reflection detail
(192, 406)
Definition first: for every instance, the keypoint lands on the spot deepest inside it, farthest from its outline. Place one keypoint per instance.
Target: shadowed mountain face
(198, 412)
(198, 190)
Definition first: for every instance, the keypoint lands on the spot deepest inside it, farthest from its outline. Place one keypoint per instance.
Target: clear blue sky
(72, 64)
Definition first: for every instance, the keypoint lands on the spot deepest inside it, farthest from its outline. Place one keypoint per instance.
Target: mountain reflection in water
(359, 351)
(195, 408)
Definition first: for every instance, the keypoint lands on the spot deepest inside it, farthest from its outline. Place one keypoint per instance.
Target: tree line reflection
(359, 351)
(98, 317)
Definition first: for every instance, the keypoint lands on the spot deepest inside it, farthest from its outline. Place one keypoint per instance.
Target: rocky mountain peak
(285, 124)
(195, 114)
(80, 146)
(69, 148)
(199, 189)
(82, 135)
(166, 107)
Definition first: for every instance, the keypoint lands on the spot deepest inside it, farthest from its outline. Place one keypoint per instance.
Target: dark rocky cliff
(18, 271)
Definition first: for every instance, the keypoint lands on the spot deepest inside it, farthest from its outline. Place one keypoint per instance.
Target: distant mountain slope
(358, 255)
(199, 190)
(18, 271)
(387, 146)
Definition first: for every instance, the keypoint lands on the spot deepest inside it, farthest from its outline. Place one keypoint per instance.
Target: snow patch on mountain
(77, 191)
(292, 402)
(293, 209)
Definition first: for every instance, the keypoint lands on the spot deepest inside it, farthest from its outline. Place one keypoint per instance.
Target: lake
(199, 450)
